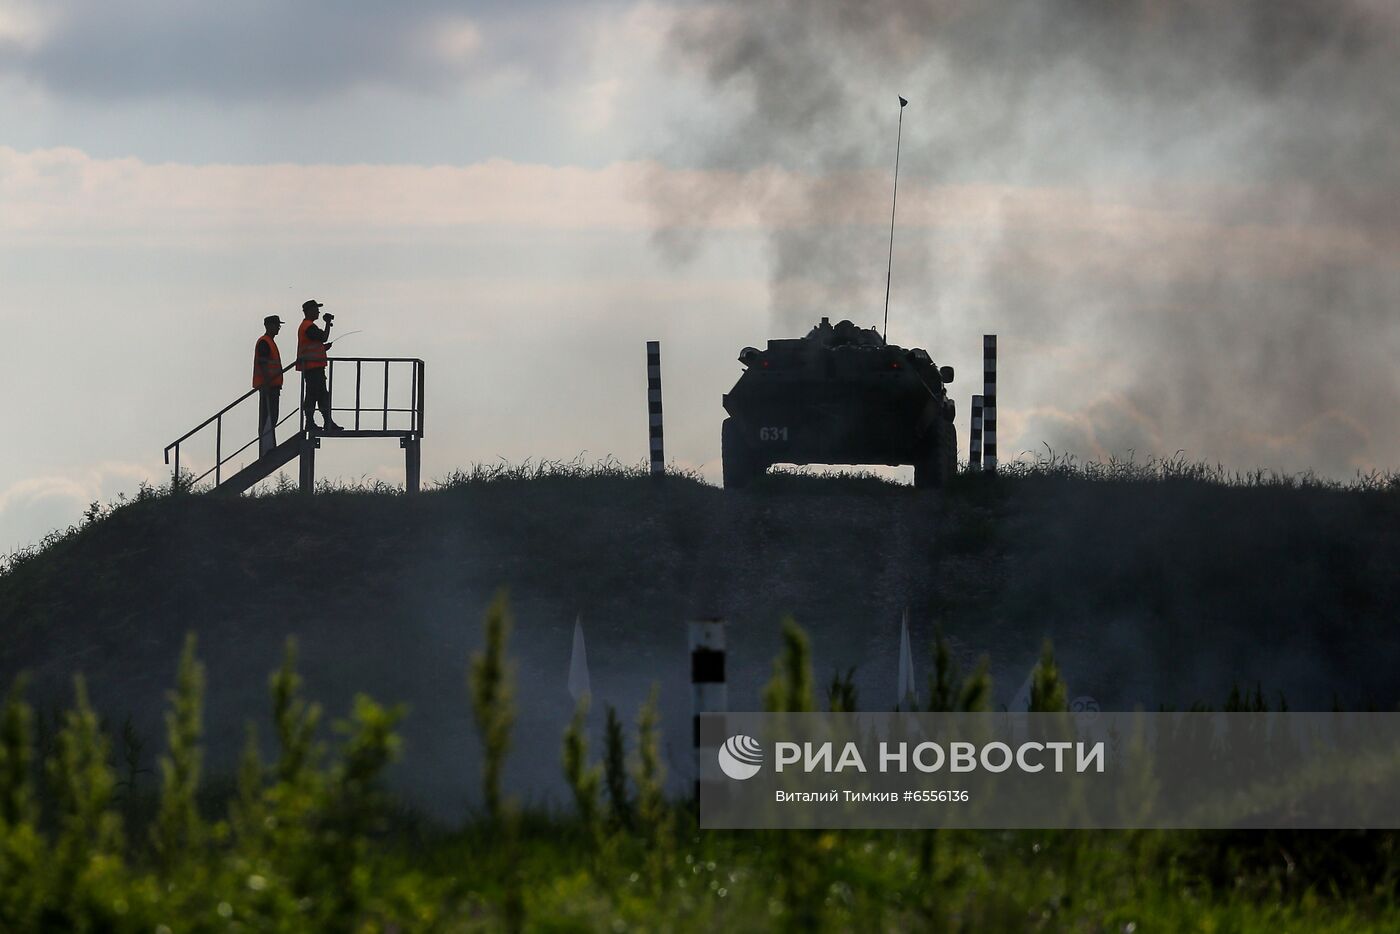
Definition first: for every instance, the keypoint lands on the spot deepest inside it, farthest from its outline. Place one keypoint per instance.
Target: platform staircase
(388, 403)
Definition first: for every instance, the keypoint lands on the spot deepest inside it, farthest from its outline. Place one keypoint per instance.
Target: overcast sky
(1181, 218)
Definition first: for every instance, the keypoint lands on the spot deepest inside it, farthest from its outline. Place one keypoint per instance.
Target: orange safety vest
(310, 354)
(274, 364)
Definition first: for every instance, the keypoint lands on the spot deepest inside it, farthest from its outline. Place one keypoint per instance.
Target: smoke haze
(1180, 216)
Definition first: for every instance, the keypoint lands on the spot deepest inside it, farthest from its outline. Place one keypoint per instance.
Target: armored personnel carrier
(840, 395)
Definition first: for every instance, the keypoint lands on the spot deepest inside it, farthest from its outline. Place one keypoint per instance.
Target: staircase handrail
(211, 419)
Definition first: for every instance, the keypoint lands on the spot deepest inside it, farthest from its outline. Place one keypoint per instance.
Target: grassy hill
(1163, 584)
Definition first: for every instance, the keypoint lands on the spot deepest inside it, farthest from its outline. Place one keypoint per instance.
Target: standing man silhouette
(267, 380)
(312, 344)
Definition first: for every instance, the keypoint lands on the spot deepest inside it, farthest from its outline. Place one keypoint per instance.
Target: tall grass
(583, 777)
(577, 468)
(1178, 468)
(312, 841)
(493, 707)
(177, 825)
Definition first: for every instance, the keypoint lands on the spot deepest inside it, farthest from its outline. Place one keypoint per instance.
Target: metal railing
(363, 414)
(384, 410)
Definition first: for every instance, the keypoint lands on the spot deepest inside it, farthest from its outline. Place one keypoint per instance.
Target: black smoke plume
(1181, 216)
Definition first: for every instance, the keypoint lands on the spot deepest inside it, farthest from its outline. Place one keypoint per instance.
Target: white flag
(578, 664)
(907, 691)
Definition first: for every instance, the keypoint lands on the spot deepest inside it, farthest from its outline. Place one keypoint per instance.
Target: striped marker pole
(989, 403)
(707, 683)
(974, 450)
(658, 456)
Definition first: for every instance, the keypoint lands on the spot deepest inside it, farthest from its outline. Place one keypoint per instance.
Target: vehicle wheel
(940, 459)
(741, 465)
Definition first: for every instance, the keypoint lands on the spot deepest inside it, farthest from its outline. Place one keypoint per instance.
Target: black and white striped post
(989, 403)
(711, 694)
(658, 454)
(974, 444)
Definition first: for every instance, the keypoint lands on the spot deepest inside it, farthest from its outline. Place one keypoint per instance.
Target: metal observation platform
(388, 403)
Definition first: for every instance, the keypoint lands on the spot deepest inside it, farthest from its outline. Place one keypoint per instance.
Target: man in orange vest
(312, 344)
(267, 380)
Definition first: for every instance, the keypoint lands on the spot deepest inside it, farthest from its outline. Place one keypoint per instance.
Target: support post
(974, 443)
(707, 684)
(309, 444)
(412, 461)
(658, 455)
(989, 403)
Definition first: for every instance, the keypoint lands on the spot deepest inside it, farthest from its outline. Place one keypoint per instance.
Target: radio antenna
(889, 263)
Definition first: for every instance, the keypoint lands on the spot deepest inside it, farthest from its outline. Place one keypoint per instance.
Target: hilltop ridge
(1155, 589)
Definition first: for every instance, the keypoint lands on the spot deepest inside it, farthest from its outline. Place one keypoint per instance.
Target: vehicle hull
(813, 401)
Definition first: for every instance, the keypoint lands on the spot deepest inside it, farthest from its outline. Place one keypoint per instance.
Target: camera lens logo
(740, 757)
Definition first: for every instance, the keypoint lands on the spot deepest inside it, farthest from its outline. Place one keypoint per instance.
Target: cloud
(21, 24)
(268, 51)
(33, 507)
(65, 193)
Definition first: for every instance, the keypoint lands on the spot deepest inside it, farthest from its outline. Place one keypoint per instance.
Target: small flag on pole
(907, 692)
(578, 664)
(902, 102)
